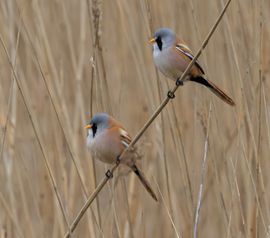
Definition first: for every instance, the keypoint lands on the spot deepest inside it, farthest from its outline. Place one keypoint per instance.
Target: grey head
(98, 123)
(164, 38)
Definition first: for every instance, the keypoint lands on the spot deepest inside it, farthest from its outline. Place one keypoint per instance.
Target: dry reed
(75, 57)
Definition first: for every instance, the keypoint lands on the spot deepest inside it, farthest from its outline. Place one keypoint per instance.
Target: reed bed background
(76, 58)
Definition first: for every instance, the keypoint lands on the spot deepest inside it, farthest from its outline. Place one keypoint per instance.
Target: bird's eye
(159, 42)
(94, 129)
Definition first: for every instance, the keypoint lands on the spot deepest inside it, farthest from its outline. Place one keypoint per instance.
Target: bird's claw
(179, 82)
(118, 160)
(109, 174)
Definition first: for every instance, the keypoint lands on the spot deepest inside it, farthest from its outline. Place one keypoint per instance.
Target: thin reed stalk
(203, 174)
(44, 156)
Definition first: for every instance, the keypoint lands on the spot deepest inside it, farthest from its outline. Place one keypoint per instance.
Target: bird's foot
(118, 160)
(109, 174)
(179, 82)
(170, 95)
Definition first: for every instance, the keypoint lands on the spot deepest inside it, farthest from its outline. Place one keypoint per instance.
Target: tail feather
(215, 89)
(144, 181)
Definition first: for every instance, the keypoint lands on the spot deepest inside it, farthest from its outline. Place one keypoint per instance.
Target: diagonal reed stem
(147, 124)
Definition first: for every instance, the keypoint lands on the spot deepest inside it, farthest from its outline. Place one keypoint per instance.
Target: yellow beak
(88, 126)
(152, 40)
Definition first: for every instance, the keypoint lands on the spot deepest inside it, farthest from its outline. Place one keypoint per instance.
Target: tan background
(53, 41)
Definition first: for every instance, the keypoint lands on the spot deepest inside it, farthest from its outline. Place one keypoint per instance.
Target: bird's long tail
(215, 89)
(144, 181)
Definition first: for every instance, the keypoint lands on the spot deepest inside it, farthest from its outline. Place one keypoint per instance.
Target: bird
(172, 56)
(107, 139)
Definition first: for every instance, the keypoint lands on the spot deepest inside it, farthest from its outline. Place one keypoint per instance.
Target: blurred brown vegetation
(94, 56)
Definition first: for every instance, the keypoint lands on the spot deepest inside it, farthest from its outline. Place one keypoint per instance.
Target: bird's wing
(125, 137)
(125, 140)
(180, 47)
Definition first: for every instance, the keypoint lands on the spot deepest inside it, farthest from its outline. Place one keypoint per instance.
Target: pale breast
(106, 148)
(171, 65)
(103, 148)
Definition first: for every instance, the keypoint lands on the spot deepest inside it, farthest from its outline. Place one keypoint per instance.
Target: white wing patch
(183, 46)
(123, 132)
(124, 143)
(125, 138)
(180, 48)
(186, 51)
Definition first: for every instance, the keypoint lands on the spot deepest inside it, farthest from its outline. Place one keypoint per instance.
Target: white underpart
(171, 65)
(98, 147)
